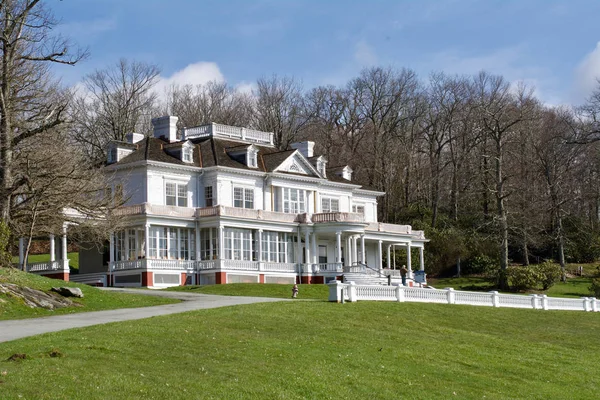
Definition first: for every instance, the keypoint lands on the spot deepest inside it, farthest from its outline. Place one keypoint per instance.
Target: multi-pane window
(237, 244)
(208, 196)
(329, 204)
(322, 254)
(360, 209)
(243, 197)
(132, 241)
(209, 244)
(186, 154)
(277, 247)
(294, 201)
(172, 243)
(252, 158)
(120, 246)
(176, 194)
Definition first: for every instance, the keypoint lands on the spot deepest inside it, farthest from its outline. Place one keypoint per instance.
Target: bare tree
(31, 103)
(279, 109)
(500, 111)
(57, 186)
(114, 101)
(212, 102)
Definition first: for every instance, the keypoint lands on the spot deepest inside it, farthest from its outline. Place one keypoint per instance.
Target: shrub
(548, 274)
(595, 287)
(523, 278)
(482, 265)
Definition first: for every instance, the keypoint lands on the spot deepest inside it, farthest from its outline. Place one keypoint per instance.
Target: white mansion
(222, 205)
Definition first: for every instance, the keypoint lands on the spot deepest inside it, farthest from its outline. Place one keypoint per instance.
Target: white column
(126, 252)
(137, 244)
(178, 233)
(298, 248)
(259, 244)
(197, 249)
(315, 253)
(112, 248)
(354, 249)
(347, 256)
(147, 241)
(221, 243)
(64, 249)
(338, 246)
(394, 251)
(52, 249)
(408, 260)
(307, 246)
(421, 259)
(22, 253)
(363, 257)
(389, 256)
(379, 255)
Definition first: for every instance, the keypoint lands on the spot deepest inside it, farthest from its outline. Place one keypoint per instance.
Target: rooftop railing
(228, 132)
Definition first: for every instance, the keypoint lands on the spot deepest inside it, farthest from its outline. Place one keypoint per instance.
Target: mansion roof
(214, 152)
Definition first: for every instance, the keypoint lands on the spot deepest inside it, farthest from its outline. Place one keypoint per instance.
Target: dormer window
(252, 156)
(187, 154)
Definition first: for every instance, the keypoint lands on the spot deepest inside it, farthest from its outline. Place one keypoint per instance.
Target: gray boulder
(68, 291)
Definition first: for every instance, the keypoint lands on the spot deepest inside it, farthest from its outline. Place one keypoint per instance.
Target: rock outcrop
(68, 291)
(35, 298)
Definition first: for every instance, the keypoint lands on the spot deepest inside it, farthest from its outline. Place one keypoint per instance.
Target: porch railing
(278, 267)
(44, 266)
(328, 267)
(337, 217)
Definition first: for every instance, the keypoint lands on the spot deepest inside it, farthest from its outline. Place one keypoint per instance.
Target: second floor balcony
(262, 215)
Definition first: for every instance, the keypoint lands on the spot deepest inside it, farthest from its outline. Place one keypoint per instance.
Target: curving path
(16, 329)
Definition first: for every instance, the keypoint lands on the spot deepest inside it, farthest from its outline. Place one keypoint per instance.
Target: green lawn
(319, 292)
(574, 287)
(316, 350)
(34, 258)
(94, 299)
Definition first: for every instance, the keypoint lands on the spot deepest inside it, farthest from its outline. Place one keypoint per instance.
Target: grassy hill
(94, 299)
(316, 350)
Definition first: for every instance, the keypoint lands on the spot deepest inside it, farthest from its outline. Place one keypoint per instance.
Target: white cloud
(364, 54)
(587, 74)
(245, 87)
(193, 74)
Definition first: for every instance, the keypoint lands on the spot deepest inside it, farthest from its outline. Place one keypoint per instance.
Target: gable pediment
(297, 164)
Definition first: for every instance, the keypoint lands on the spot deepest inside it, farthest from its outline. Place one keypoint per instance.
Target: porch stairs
(362, 274)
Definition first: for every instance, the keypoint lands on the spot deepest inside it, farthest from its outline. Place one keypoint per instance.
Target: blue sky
(553, 45)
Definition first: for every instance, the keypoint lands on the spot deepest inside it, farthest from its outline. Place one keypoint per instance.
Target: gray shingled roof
(211, 152)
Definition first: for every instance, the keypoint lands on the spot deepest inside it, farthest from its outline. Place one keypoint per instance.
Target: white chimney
(306, 148)
(133, 137)
(165, 127)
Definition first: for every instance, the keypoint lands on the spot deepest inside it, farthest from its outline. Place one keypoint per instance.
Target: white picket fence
(352, 292)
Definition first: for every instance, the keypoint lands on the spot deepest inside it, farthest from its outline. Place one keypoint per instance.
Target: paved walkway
(16, 329)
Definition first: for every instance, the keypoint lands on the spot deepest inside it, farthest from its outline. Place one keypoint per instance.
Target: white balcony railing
(228, 132)
(278, 267)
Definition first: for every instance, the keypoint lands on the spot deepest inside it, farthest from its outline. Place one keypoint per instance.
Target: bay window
(237, 244)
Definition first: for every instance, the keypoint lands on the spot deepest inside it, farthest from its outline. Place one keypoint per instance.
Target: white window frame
(180, 200)
(356, 206)
(247, 197)
(330, 204)
(252, 157)
(187, 154)
(293, 201)
(208, 190)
